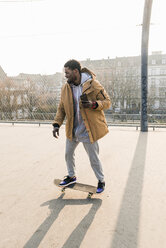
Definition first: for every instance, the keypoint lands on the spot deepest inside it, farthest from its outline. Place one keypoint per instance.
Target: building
(123, 74)
(157, 80)
(29, 96)
(36, 96)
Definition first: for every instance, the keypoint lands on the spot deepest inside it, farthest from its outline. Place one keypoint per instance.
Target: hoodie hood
(85, 77)
(85, 70)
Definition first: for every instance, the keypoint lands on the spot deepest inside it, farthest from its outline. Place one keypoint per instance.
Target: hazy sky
(39, 36)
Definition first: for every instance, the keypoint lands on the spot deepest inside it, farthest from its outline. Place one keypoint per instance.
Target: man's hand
(87, 104)
(56, 132)
(90, 104)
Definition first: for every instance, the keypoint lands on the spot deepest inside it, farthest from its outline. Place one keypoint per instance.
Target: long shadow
(78, 234)
(56, 206)
(127, 228)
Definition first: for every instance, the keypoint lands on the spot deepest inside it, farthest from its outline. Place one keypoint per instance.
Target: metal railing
(116, 120)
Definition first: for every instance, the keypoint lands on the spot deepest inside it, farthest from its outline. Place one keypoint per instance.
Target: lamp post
(144, 64)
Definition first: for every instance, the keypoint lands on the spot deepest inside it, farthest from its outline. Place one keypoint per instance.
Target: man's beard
(71, 81)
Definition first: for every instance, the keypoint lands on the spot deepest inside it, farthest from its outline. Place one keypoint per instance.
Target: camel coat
(94, 119)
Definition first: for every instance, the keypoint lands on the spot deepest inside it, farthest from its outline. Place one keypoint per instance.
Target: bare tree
(123, 89)
(8, 99)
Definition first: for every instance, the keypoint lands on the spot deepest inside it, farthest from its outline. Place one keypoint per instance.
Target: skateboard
(77, 186)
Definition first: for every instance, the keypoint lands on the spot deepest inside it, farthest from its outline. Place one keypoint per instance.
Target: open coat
(94, 119)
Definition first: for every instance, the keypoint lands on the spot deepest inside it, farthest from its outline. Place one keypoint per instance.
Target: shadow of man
(127, 227)
(56, 206)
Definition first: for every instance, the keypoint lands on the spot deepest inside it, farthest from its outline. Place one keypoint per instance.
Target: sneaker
(100, 187)
(67, 181)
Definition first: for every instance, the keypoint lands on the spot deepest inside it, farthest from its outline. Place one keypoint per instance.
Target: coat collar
(87, 87)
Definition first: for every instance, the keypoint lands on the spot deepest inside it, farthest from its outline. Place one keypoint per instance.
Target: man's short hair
(73, 64)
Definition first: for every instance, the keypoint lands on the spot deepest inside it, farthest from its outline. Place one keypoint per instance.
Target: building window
(153, 81)
(162, 82)
(162, 71)
(163, 61)
(153, 72)
(153, 61)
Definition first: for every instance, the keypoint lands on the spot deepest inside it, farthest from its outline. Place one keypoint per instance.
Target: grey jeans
(92, 151)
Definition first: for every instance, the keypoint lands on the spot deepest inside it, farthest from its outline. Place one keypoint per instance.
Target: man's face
(71, 75)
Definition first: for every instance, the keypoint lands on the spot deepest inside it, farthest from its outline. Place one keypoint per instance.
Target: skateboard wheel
(90, 195)
(63, 190)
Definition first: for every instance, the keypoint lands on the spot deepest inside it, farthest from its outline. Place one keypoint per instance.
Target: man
(83, 100)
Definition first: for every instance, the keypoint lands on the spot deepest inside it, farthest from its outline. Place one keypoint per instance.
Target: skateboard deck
(77, 186)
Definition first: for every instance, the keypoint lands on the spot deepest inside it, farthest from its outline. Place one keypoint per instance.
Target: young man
(83, 100)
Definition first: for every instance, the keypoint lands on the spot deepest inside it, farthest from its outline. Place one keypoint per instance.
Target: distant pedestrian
(83, 100)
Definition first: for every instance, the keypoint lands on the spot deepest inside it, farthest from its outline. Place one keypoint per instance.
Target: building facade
(29, 96)
(35, 96)
(121, 76)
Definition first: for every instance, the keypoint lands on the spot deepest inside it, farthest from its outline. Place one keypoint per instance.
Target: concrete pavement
(34, 213)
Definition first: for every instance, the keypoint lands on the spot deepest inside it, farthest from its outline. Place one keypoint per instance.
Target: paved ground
(34, 213)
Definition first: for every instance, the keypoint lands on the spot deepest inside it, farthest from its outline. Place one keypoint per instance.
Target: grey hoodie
(79, 130)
